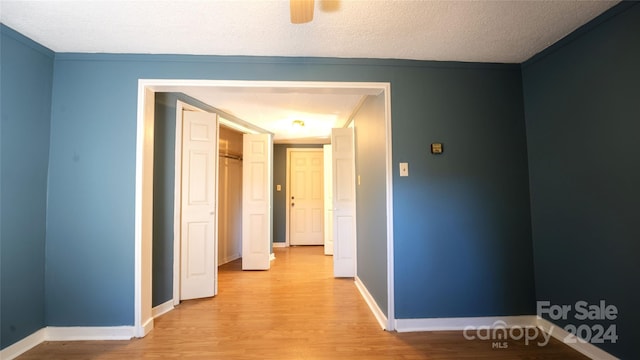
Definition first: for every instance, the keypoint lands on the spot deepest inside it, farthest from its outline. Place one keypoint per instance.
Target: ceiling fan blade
(301, 11)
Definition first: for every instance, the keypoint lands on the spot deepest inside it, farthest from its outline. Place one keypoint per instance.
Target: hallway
(296, 310)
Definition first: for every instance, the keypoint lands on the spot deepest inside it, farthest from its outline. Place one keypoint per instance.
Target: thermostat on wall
(436, 148)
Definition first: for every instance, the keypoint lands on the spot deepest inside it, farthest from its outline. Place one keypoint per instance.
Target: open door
(256, 201)
(344, 202)
(328, 200)
(198, 211)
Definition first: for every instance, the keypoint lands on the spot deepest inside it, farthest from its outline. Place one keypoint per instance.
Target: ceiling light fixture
(297, 124)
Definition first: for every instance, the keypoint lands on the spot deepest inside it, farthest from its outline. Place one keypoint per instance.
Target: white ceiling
(275, 108)
(473, 31)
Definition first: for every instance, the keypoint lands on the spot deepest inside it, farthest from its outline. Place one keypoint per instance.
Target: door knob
(293, 204)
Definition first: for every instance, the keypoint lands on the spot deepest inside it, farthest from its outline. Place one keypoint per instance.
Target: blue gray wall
(371, 198)
(583, 129)
(280, 197)
(461, 219)
(464, 214)
(25, 98)
(163, 191)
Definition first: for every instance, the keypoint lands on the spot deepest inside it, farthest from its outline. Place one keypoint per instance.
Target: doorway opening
(144, 179)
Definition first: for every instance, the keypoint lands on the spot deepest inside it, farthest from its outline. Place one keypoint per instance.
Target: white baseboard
(162, 309)
(24, 345)
(459, 324)
(585, 348)
(146, 328)
(279, 244)
(375, 309)
(230, 259)
(78, 333)
(72, 333)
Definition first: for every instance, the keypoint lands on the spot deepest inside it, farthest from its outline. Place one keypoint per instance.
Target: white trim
(375, 309)
(138, 208)
(355, 111)
(272, 257)
(24, 345)
(78, 333)
(456, 324)
(162, 308)
(279, 245)
(585, 348)
(235, 123)
(143, 221)
(141, 306)
(147, 326)
(228, 260)
(71, 333)
(389, 173)
(304, 141)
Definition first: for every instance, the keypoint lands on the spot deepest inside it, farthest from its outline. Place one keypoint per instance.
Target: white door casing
(306, 199)
(198, 210)
(328, 201)
(344, 202)
(143, 322)
(256, 201)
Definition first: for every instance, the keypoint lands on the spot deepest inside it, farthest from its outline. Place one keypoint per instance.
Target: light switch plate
(278, 187)
(404, 169)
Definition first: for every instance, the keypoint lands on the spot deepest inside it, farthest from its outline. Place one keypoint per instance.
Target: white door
(344, 203)
(256, 201)
(198, 217)
(328, 201)
(306, 199)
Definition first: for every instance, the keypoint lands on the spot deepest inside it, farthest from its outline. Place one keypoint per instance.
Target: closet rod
(230, 156)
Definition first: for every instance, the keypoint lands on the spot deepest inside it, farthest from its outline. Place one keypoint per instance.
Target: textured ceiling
(482, 31)
(473, 31)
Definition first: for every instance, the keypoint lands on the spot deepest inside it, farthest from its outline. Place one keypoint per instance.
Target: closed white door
(198, 210)
(328, 201)
(344, 203)
(256, 201)
(306, 199)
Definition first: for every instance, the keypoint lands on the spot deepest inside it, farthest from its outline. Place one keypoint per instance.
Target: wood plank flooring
(297, 310)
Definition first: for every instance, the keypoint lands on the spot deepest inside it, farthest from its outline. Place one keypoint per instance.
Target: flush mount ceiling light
(301, 11)
(297, 124)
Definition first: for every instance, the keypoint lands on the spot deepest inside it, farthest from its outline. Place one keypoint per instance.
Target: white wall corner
(585, 348)
(162, 309)
(459, 324)
(375, 309)
(24, 345)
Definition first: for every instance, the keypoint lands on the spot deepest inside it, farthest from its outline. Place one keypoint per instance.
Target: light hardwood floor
(297, 310)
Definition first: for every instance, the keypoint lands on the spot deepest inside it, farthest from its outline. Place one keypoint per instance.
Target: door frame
(143, 208)
(288, 189)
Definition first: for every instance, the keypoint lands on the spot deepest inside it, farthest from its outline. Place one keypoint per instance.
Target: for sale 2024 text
(594, 332)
